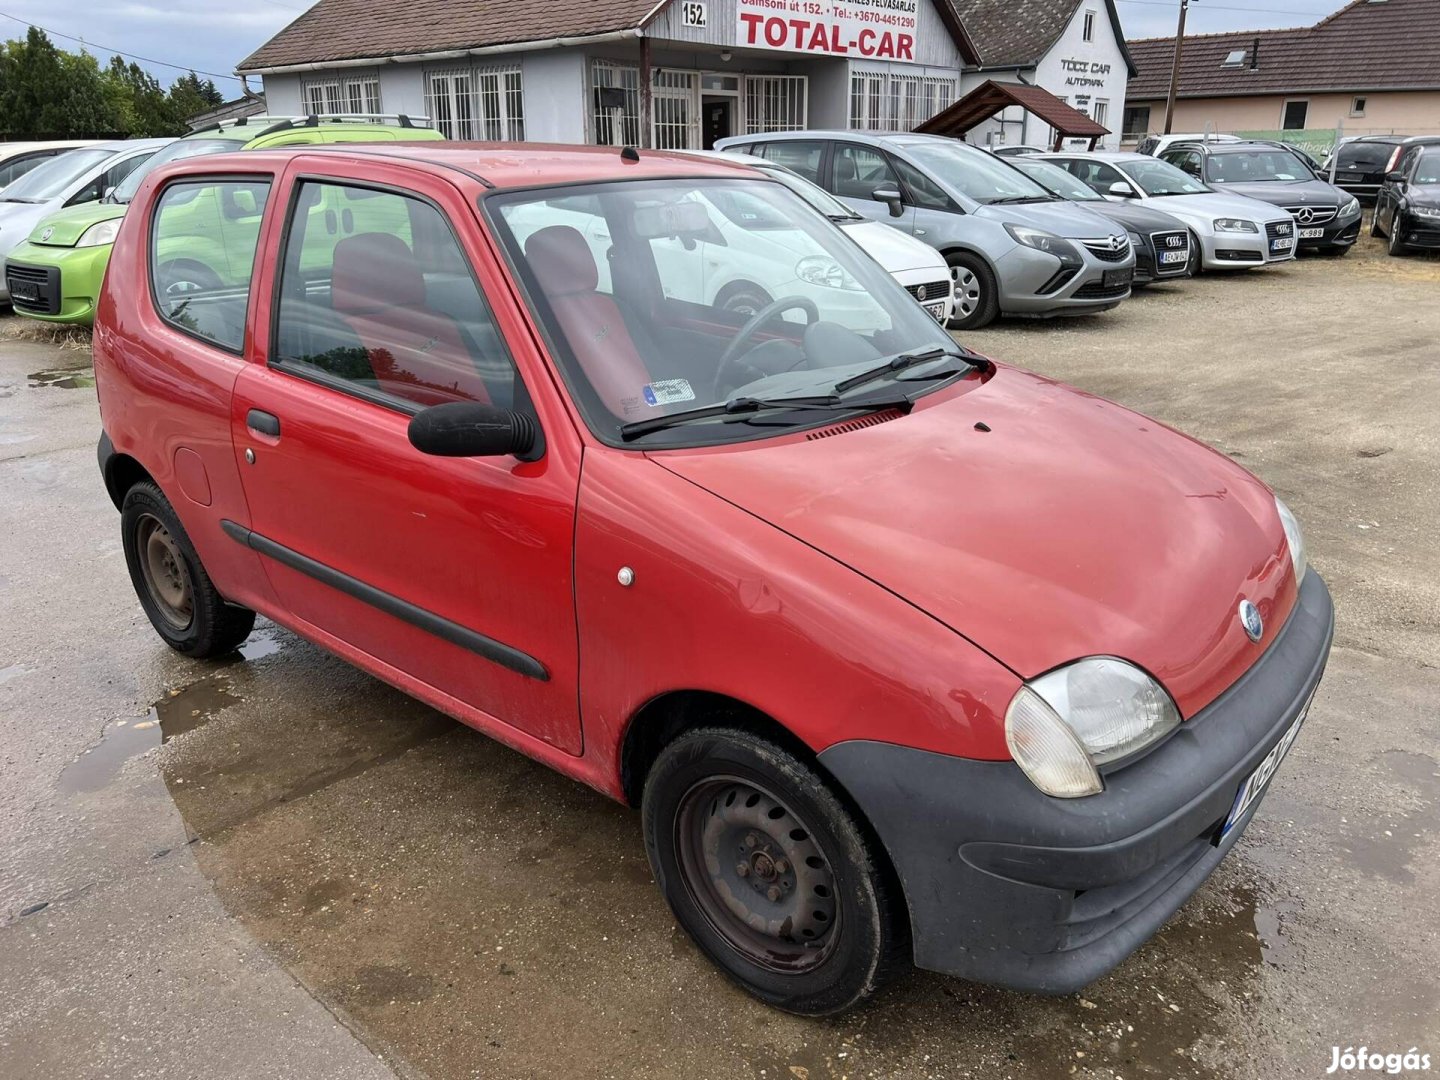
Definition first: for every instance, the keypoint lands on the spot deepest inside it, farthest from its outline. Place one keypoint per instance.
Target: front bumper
(1150, 258)
(1034, 284)
(1230, 251)
(1006, 885)
(1418, 232)
(1341, 232)
(57, 284)
(936, 286)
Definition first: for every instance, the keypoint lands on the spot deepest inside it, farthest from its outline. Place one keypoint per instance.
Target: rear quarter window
(203, 235)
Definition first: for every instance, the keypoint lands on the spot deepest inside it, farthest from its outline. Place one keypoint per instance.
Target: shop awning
(990, 97)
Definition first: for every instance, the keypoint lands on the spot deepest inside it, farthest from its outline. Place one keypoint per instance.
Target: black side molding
(495, 651)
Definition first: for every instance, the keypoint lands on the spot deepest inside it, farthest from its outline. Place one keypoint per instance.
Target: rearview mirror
(890, 197)
(470, 429)
(1122, 190)
(1395, 177)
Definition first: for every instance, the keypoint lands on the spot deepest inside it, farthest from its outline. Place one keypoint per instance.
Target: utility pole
(1175, 68)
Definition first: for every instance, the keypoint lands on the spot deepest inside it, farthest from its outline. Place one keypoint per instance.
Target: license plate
(1118, 277)
(24, 290)
(937, 311)
(1254, 786)
(1169, 257)
(1311, 234)
(1349, 177)
(1285, 243)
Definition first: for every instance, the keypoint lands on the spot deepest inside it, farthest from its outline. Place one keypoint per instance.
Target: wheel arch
(959, 248)
(122, 472)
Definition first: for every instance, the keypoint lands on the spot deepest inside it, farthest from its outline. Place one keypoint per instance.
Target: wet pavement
(274, 865)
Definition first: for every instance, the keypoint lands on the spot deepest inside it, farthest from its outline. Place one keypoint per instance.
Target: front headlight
(1426, 211)
(1294, 539)
(102, 232)
(1351, 207)
(1230, 224)
(1047, 242)
(1062, 726)
(826, 272)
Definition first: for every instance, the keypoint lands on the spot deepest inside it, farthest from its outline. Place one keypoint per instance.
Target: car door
(450, 573)
(857, 171)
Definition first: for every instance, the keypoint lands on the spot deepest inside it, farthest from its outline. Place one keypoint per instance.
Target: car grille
(1098, 291)
(1170, 241)
(34, 288)
(1319, 215)
(932, 294)
(1102, 250)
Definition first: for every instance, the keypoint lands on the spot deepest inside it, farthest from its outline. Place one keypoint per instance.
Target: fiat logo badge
(1252, 622)
(48, 232)
(920, 293)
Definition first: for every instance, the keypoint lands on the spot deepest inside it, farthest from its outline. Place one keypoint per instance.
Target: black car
(1326, 218)
(1161, 242)
(1359, 164)
(1407, 206)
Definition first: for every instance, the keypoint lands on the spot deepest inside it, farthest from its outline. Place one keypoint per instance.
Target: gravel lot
(314, 876)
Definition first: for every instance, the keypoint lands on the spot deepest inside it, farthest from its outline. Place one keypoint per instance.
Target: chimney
(1255, 54)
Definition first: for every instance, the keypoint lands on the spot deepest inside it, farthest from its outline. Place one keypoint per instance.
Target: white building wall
(556, 106)
(1084, 72)
(282, 95)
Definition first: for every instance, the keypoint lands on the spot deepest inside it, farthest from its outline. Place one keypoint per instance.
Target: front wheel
(770, 874)
(977, 297)
(1397, 234)
(174, 589)
(1375, 223)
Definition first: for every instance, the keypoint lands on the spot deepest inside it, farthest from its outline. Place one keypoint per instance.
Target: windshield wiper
(902, 361)
(1022, 199)
(838, 218)
(16, 198)
(741, 406)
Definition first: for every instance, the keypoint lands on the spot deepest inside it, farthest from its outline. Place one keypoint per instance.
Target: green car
(71, 248)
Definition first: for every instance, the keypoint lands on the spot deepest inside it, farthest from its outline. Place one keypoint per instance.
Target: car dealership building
(674, 74)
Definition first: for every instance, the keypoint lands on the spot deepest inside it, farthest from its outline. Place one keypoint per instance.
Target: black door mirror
(470, 429)
(1395, 177)
(890, 197)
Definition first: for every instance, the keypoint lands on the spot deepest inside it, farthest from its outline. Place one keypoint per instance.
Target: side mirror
(1122, 190)
(470, 429)
(890, 197)
(1395, 176)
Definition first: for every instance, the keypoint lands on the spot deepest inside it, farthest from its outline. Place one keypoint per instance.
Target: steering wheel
(730, 358)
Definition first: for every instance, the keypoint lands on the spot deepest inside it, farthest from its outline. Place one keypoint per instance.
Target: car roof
(496, 165)
(1100, 155)
(1248, 145)
(1422, 140)
(735, 157)
(132, 144)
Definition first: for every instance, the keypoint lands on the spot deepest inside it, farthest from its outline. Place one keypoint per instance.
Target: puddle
(64, 378)
(1384, 845)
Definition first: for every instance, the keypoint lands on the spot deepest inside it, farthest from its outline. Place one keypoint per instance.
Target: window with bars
(616, 91)
(775, 103)
(1101, 112)
(477, 103)
(675, 110)
(884, 102)
(358, 94)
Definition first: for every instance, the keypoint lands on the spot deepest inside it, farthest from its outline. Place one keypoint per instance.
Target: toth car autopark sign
(879, 29)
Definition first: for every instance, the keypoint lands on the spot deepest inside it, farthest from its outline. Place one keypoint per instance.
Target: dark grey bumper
(1006, 885)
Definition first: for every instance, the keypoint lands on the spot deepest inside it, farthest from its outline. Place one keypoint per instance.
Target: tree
(189, 95)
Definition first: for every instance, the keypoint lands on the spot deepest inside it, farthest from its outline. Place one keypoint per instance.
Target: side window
(801, 156)
(924, 192)
(376, 291)
(202, 249)
(859, 170)
(19, 165)
(111, 177)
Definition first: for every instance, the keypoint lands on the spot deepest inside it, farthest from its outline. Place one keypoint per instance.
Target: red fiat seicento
(639, 465)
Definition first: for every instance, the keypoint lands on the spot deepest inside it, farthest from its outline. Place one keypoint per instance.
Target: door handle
(263, 422)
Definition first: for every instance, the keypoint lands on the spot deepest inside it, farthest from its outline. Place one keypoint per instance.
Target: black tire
(977, 296)
(185, 275)
(1375, 223)
(1197, 257)
(1396, 246)
(743, 298)
(174, 589)
(836, 932)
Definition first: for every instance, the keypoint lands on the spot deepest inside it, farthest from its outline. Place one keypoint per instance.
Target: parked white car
(1155, 145)
(1228, 232)
(76, 176)
(913, 263)
(18, 158)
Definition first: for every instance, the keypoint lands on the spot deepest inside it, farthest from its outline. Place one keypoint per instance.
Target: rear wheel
(770, 874)
(174, 589)
(977, 297)
(179, 276)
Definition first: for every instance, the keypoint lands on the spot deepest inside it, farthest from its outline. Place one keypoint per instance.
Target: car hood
(1424, 194)
(892, 249)
(1301, 193)
(1068, 527)
(1073, 221)
(68, 225)
(1207, 206)
(1140, 218)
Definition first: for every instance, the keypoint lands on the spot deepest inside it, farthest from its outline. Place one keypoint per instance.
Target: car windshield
(1365, 156)
(1161, 178)
(1256, 166)
(980, 175)
(55, 177)
(1427, 171)
(176, 151)
(813, 194)
(667, 296)
(1057, 180)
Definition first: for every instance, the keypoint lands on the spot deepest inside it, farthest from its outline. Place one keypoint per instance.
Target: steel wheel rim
(166, 574)
(967, 289)
(756, 874)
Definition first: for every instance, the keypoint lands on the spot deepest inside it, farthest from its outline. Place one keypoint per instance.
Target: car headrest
(375, 272)
(845, 168)
(562, 261)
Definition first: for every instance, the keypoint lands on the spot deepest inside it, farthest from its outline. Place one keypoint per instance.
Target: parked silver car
(1230, 232)
(1013, 248)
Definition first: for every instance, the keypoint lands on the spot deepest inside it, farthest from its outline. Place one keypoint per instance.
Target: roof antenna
(630, 154)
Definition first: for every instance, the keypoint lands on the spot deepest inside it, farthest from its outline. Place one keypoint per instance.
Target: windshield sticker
(667, 392)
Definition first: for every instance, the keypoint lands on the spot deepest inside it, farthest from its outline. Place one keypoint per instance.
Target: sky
(212, 36)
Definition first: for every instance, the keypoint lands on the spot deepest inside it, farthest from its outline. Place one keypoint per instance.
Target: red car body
(871, 588)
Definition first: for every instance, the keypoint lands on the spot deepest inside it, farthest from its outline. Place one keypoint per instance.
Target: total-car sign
(884, 29)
